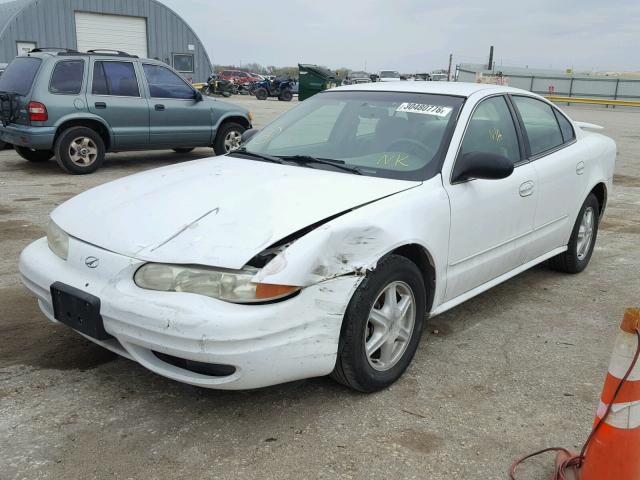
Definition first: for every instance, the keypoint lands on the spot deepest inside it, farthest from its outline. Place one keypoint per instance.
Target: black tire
(63, 150)
(353, 367)
(226, 94)
(227, 128)
(3, 145)
(183, 149)
(575, 260)
(261, 93)
(206, 91)
(285, 96)
(34, 155)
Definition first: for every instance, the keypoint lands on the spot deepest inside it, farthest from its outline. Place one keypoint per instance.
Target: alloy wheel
(390, 326)
(585, 233)
(232, 141)
(83, 151)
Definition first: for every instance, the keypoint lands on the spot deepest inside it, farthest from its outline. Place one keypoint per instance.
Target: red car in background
(238, 76)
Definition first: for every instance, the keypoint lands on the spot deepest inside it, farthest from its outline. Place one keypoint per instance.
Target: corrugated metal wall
(51, 23)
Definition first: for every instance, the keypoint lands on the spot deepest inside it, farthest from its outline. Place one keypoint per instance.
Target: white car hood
(218, 211)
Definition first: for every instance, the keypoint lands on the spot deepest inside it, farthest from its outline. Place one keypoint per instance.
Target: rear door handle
(580, 168)
(526, 188)
(159, 107)
(100, 105)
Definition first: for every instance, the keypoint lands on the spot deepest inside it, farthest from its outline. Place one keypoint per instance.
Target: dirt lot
(511, 371)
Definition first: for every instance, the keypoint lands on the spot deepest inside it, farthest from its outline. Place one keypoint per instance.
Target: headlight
(58, 240)
(229, 285)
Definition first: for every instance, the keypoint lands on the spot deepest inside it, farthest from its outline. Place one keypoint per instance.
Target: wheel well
(241, 120)
(421, 258)
(94, 125)
(600, 191)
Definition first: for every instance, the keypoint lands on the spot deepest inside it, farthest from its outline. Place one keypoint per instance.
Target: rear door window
(163, 83)
(19, 75)
(115, 78)
(67, 77)
(568, 134)
(540, 124)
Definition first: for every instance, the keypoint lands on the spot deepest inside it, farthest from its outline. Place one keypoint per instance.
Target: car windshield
(19, 75)
(383, 134)
(389, 74)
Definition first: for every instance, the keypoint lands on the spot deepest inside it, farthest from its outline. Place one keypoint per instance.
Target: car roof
(461, 89)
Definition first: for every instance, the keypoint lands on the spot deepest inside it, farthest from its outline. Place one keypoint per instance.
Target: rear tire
(582, 240)
(3, 145)
(79, 150)
(261, 93)
(375, 313)
(183, 149)
(228, 138)
(34, 155)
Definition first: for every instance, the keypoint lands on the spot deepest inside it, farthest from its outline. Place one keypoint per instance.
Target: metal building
(145, 28)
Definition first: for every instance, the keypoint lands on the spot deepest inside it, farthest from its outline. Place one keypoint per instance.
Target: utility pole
(490, 67)
(449, 71)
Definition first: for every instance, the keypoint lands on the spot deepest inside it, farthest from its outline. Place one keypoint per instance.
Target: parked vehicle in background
(324, 244)
(388, 76)
(355, 78)
(78, 106)
(217, 86)
(439, 77)
(238, 76)
(258, 76)
(281, 88)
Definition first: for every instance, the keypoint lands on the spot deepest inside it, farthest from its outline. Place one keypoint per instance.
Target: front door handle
(159, 107)
(526, 188)
(580, 168)
(100, 105)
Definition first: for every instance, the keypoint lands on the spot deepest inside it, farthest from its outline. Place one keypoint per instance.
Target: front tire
(79, 150)
(34, 155)
(582, 241)
(382, 326)
(228, 138)
(261, 93)
(286, 96)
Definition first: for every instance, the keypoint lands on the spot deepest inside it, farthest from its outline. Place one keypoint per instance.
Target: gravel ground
(516, 369)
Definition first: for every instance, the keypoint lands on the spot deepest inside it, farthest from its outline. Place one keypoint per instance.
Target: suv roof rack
(52, 49)
(106, 51)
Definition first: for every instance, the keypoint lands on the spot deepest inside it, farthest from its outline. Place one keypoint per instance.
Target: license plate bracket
(79, 310)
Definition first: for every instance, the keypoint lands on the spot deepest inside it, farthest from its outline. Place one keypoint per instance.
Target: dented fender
(353, 243)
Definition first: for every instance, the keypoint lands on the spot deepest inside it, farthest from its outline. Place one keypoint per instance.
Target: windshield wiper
(307, 159)
(261, 156)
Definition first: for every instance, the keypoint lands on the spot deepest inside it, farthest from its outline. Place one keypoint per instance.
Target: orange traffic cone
(613, 452)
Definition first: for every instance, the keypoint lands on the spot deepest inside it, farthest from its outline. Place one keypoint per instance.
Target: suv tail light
(37, 112)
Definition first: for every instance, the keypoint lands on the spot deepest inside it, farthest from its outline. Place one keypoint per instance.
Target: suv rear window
(67, 77)
(19, 75)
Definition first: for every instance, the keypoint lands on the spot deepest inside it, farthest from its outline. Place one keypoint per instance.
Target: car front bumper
(39, 138)
(267, 344)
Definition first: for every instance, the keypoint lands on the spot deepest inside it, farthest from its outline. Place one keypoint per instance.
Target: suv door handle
(100, 105)
(526, 188)
(159, 107)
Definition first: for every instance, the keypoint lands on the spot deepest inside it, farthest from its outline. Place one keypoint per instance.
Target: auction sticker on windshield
(437, 110)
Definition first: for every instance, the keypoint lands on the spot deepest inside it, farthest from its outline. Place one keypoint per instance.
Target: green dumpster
(314, 79)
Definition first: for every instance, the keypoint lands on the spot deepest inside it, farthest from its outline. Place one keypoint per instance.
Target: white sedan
(321, 246)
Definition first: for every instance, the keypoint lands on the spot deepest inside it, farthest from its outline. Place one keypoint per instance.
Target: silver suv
(78, 106)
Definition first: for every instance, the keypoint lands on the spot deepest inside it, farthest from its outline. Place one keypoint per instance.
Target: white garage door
(113, 32)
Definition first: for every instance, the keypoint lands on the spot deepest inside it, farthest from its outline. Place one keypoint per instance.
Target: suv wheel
(79, 150)
(2, 145)
(228, 138)
(34, 155)
(382, 326)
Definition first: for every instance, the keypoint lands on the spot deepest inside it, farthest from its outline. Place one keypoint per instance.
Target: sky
(418, 35)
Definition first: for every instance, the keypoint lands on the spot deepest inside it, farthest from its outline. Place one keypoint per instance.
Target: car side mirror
(483, 165)
(248, 134)
(197, 95)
